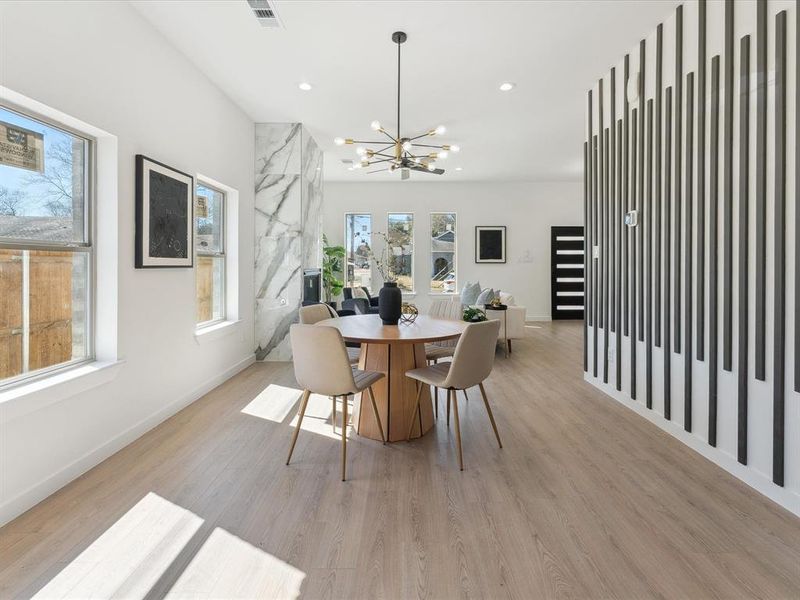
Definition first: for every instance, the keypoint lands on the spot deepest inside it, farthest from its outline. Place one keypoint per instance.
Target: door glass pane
(358, 241)
(443, 253)
(401, 249)
(42, 181)
(210, 288)
(208, 213)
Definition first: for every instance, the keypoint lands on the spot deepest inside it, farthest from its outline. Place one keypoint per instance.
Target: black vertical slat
(618, 256)
(796, 202)
(713, 261)
(605, 252)
(655, 241)
(678, 169)
(701, 181)
(591, 250)
(631, 233)
(649, 285)
(761, 191)
(588, 233)
(743, 245)
(612, 251)
(667, 255)
(688, 290)
(727, 194)
(641, 196)
(625, 195)
(779, 335)
(585, 267)
(601, 200)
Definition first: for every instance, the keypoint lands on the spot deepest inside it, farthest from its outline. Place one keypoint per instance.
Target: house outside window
(443, 253)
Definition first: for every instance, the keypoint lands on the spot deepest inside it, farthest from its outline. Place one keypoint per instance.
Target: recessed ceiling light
(305, 86)
(507, 86)
(459, 169)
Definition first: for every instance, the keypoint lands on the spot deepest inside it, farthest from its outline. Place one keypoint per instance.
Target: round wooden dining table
(393, 350)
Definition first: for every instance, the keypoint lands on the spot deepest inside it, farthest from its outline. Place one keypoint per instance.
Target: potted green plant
(332, 267)
(474, 315)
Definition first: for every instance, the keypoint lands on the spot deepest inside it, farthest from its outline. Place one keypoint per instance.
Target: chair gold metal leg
(377, 416)
(344, 436)
(333, 413)
(414, 412)
(491, 416)
(458, 430)
(301, 413)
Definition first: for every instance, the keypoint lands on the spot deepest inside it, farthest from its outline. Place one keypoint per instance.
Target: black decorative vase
(390, 301)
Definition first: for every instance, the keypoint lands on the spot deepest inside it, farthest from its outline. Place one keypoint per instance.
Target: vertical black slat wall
(743, 245)
(713, 261)
(688, 322)
(796, 200)
(641, 193)
(655, 240)
(601, 201)
(567, 257)
(585, 268)
(701, 181)
(678, 170)
(727, 194)
(761, 191)
(779, 333)
(605, 253)
(618, 256)
(589, 209)
(625, 195)
(667, 253)
(648, 382)
(612, 157)
(631, 234)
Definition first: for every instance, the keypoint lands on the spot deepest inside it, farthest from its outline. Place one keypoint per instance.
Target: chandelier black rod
(399, 42)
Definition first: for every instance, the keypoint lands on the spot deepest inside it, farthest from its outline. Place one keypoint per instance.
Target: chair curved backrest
(320, 360)
(474, 355)
(445, 309)
(314, 313)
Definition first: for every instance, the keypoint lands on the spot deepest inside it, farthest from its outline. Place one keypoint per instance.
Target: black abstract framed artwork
(164, 215)
(490, 244)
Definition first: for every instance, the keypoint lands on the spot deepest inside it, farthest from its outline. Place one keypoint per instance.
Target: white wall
(758, 470)
(528, 210)
(100, 62)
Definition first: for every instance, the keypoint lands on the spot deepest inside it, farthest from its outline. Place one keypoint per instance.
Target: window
(401, 249)
(357, 245)
(210, 248)
(46, 254)
(443, 253)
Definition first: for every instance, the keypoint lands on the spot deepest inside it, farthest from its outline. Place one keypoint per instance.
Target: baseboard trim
(29, 498)
(761, 483)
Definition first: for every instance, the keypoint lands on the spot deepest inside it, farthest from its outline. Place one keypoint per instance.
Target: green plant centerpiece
(332, 268)
(474, 315)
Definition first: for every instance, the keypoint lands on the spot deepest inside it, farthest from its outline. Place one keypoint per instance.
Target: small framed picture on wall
(490, 244)
(164, 215)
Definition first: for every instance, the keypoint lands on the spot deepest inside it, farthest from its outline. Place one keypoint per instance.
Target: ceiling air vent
(265, 13)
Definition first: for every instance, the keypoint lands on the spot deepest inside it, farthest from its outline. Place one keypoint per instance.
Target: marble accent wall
(288, 230)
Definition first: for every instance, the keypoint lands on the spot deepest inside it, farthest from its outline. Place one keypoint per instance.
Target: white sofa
(514, 319)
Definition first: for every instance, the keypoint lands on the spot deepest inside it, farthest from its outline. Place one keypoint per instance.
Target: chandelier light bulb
(361, 151)
(407, 146)
(442, 154)
(431, 166)
(338, 141)
(455, 148)
(376, 125)
(440, 130)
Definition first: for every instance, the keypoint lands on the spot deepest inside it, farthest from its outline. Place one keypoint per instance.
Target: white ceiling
(457, 54)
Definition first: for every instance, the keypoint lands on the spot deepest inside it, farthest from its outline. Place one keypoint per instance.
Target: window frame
(413, 216)
(455, 250)
(87, 246)
(200, 181)
(349, 283)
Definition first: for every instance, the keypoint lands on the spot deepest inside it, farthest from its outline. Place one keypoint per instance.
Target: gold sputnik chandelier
(406, 153)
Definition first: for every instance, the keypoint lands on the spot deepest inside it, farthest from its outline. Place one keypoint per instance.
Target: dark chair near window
(361, 306)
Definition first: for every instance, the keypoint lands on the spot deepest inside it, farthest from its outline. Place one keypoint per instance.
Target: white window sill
(409, 294)
(216, 331)
(36, 395)
(446, 294)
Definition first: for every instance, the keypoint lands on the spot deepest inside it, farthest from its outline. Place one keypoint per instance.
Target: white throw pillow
(485, 297)
(469, 293)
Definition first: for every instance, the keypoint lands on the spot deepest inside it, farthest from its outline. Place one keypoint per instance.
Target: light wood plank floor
(586, 500)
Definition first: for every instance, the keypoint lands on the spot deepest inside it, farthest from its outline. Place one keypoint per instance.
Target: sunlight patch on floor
(130, 556)
(228, 567)
(318, 416)
(274, 403)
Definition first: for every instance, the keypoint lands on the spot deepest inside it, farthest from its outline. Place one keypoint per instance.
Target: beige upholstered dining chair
(321, 366)
(472, 363)
(314, 313)
(436, 351)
